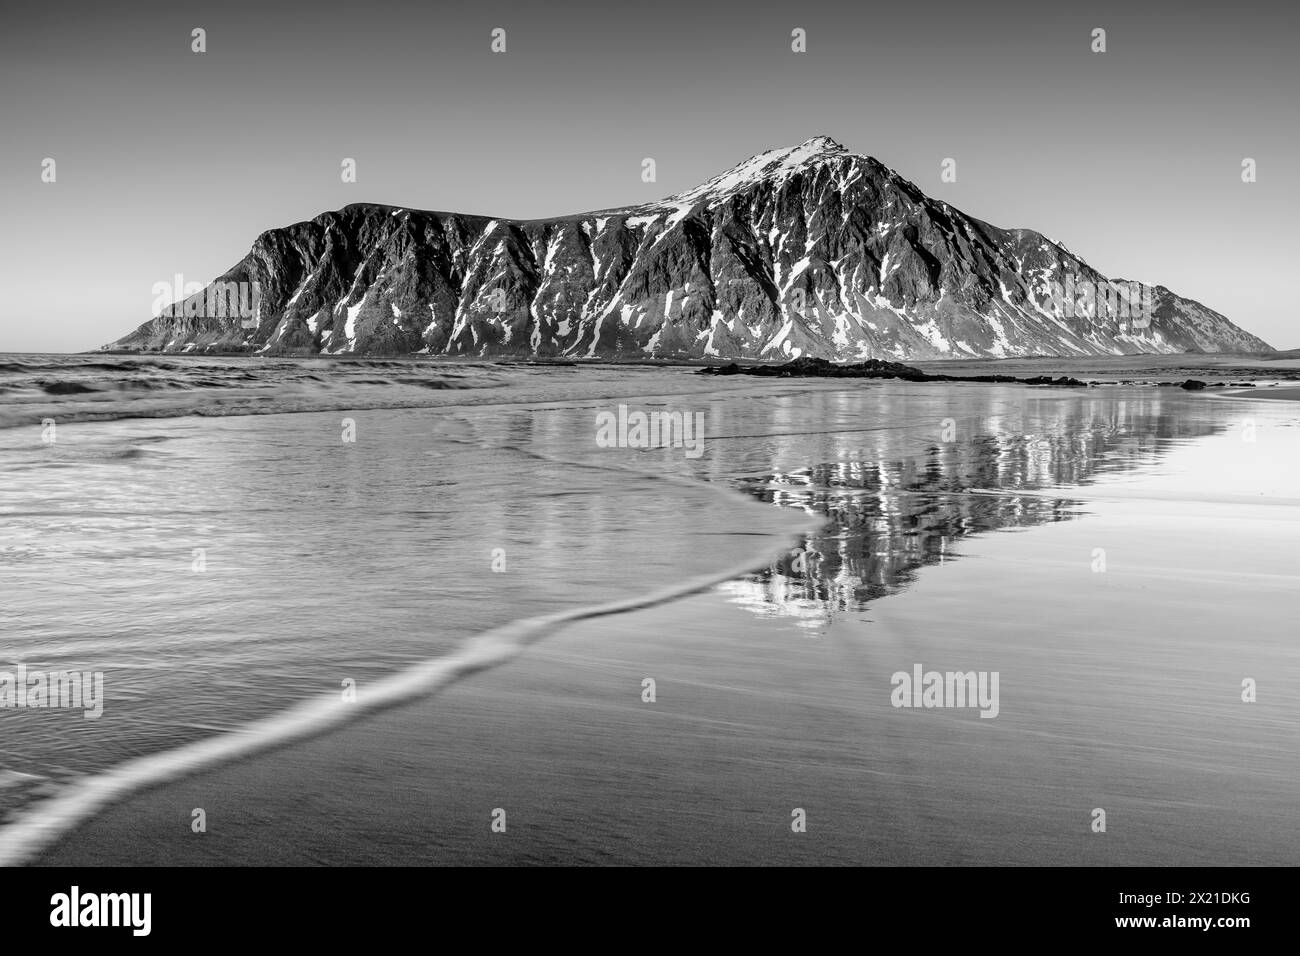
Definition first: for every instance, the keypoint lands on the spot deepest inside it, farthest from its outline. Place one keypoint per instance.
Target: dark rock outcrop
(811, 367)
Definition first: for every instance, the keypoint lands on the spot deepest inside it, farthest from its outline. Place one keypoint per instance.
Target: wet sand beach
(952, 527)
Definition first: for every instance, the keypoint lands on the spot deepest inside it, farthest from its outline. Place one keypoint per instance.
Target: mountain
(804, 251)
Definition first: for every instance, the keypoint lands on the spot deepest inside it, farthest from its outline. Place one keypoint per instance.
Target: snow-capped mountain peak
(773, 165)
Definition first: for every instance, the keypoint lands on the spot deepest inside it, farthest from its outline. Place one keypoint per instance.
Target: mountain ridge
(807, 250)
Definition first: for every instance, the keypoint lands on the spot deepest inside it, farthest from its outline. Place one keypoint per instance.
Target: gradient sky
(172, 162)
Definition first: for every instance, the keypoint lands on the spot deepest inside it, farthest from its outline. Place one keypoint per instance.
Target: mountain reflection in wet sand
(886, 517)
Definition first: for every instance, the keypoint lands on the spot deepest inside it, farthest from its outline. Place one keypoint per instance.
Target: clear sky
(169, 161)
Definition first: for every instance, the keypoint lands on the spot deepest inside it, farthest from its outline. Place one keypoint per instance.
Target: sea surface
(228, 539)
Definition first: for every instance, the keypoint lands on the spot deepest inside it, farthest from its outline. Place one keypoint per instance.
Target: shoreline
(632, 360)
(751, 721)
(748, 716)
(109, 403)
(45, 825)
(1277, 393)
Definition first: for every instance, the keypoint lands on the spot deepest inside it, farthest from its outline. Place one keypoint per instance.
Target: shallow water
(219, 571)
(325, 560)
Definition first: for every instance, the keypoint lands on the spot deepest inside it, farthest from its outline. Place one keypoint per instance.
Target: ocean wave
(37, 827)
(66, 388)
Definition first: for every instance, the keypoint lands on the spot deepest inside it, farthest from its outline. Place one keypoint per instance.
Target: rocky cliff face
(803, 251)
